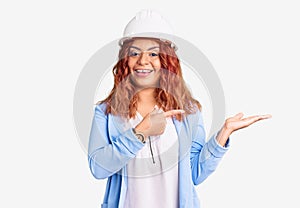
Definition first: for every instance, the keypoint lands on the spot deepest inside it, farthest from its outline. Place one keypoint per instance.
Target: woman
(147, 137)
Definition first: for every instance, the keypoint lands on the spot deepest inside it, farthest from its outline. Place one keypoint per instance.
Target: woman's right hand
(154, 123)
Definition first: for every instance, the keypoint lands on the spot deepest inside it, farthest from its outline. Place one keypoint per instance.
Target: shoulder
(101, 106)
(100, 109)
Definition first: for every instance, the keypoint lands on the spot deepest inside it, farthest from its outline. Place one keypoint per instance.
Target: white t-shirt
(154, 184)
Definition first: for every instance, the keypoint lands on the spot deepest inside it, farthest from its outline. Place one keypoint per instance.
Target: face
(144, 63)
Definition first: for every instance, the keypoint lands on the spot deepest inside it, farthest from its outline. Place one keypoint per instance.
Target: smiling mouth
(143, 70)
(143, 73)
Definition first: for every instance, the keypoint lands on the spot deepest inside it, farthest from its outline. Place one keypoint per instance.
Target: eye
(133, 53)
(153, 54)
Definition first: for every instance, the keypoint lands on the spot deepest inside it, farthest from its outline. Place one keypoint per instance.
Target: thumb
(239, 115)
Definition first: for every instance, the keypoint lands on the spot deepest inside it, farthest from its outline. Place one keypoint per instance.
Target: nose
(144, 59)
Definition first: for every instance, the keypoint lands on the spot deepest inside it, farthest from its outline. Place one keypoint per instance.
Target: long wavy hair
(171, 92)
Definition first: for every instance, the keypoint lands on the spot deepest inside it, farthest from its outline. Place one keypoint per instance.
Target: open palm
(238, 122)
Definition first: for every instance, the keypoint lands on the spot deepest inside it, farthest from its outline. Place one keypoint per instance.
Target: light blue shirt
(112, 144)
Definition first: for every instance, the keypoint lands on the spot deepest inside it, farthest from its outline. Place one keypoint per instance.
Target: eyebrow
(151, 48)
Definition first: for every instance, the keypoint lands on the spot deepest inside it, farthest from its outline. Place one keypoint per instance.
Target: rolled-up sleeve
(108, 154)
(204, 156)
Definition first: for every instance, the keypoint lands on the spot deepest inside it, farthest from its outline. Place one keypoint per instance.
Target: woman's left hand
(237, 122)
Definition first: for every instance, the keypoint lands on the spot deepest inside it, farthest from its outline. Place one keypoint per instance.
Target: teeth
(144, 70)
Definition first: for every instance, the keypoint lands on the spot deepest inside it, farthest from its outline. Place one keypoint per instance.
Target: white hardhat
(149, 23)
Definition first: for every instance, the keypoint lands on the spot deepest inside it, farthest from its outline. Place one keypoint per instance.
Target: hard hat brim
(161, 36)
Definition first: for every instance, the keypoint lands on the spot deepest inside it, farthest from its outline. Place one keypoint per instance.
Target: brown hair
(172, 92)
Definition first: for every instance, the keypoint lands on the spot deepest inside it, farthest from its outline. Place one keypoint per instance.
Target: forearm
(205, 156)
(106, 162)
(205, 159)
(106, 158)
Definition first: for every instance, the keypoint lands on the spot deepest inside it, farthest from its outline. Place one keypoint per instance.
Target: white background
(253, 45)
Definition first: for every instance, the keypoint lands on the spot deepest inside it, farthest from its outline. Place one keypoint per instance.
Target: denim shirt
(112, 144)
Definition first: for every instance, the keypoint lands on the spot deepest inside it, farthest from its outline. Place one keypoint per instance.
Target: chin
(141, 84)
(146, 85)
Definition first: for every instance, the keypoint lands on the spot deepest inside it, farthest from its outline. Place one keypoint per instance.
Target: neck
(147, 96)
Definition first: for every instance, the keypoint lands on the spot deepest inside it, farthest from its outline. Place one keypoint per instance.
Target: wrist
(226, 131)
(223, 135)
(141, 128)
